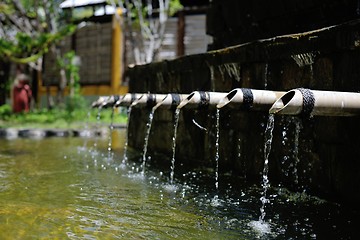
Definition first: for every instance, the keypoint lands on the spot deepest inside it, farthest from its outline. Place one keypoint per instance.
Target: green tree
(28, 30)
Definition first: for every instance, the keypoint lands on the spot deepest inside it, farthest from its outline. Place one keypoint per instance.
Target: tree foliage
(28, 28)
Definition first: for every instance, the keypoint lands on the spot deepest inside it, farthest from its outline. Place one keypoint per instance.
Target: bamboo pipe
(308, 102)
(111, 101)
(127, 99)
(247, 99)
(141, 99)
(199, 99)
(100, 101)
(148, 100)
(171, 100)
(106, 101)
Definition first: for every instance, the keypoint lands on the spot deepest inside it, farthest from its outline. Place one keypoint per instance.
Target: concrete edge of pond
(36, 133)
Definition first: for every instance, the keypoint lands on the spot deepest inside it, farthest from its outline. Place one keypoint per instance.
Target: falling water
(110, 153)
(286, 165)
(171, 187)
(199, 126)
(217, 149)
(125, 157)
(98, 118)
(87, 122)
(266, 75)
(93, 151)
(243, 166)
(146, 141)
(267, 148)
(86, 133)
(233, 70)
(212, 77)
(176, 123)
(261, 226)
(311, 70)
(215, 201)
(290, 169)
(304, 59)
(296, 150)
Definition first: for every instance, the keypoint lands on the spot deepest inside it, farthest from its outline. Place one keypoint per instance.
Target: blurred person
(22, 94)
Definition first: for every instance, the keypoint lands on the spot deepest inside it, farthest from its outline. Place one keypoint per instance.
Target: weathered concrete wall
(233, 22)
(327, 161)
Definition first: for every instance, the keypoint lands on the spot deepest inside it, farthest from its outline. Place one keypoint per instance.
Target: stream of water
(49, 190)
(111, 127)
(171, 186)
(125, 156)
(216, 201)
(260, 225)
(146, 140)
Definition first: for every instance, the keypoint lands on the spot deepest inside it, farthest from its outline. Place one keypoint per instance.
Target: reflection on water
(53, 188)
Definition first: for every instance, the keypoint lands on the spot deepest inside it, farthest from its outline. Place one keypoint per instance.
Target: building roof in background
(109, 10)
(81, 3)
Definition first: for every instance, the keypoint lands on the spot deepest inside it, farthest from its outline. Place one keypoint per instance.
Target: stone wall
(328, 151)
(233, 22)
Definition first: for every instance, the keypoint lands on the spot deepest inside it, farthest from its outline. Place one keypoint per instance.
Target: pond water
(73, 188)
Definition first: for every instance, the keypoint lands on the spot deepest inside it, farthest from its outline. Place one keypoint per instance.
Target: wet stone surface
(10, 133)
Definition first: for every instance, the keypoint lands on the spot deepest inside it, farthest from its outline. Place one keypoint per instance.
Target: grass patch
(58, 118)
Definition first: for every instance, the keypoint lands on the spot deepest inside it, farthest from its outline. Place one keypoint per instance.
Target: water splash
(146, 140)
(170, 188)
(261, 228)
(125, 157)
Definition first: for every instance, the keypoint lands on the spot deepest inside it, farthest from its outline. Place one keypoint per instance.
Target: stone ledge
(11, 133)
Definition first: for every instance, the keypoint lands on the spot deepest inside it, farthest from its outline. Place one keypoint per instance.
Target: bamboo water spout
(148, 100)
(171, 100)
(127, 99)
(199, 99)
(111, 101)
(100, 102)
(303, 101)
(249, 99)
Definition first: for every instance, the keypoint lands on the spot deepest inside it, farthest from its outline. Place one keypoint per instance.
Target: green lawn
(60, 119)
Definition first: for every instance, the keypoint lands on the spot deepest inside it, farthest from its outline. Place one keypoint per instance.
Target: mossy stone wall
(322, 157)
